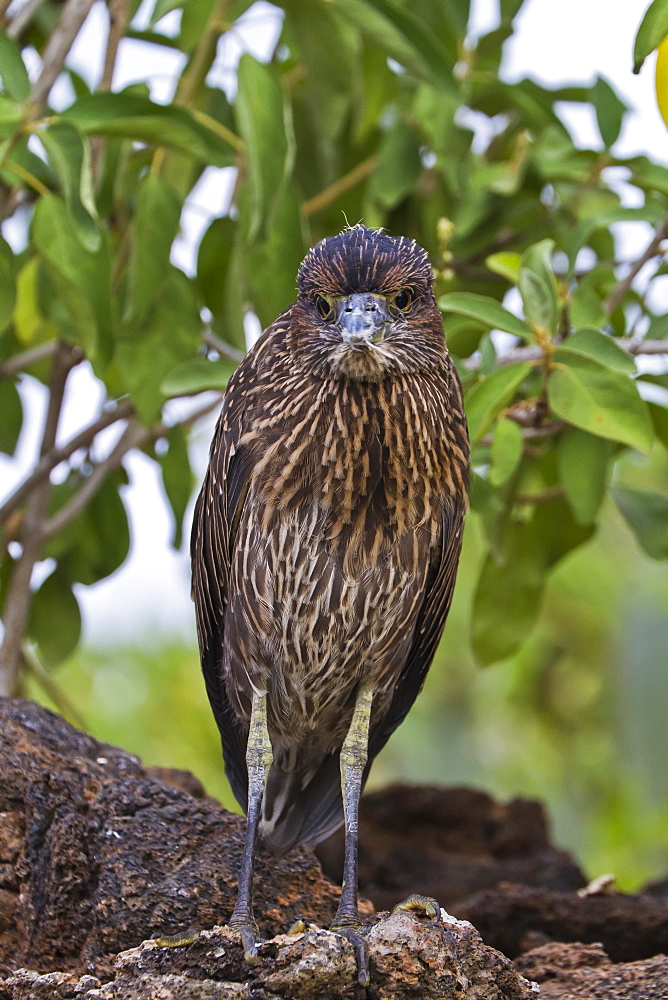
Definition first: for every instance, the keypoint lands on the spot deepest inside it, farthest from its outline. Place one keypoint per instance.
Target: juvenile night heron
(325, 544)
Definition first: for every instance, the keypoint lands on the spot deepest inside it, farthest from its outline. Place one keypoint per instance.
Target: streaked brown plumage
(328, 529)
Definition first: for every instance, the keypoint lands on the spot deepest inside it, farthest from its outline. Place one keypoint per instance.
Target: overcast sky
(565, 42)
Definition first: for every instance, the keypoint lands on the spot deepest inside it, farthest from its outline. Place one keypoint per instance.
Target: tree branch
(22, 361)
(54, 457)
(535, 353)
(23, 18)
(330, 194)
(118, 18)
(17, 603)
(134, 436)
(59, 44)
(222, 347)
(619, 292)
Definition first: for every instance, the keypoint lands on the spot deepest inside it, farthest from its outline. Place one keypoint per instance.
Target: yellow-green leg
(259, 758)
(354, 754)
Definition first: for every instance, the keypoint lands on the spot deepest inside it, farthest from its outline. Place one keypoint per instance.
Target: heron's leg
(259, 758)
(354, 753)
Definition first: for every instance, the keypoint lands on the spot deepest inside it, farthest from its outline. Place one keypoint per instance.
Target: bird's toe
(356, 937)
(422, 906)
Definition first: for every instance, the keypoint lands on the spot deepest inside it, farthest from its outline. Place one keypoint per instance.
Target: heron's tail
(302, 809)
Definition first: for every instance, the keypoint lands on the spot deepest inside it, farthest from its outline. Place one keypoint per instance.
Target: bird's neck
(377, 458)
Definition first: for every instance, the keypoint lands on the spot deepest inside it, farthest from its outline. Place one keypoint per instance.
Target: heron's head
(366, 309)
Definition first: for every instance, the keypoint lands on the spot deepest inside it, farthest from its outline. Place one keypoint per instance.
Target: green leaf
(156, 224)
(647, 514)
(169, 334)
(600, 401)
(7, 284)
(490, 395)
(136, 117)
(13, 74)
(333, 71)
(610, 111)
(11, 116)
(403, 36)
(197, 375)
(163, 7)
(508, 598)
(55, 619)
(31, 325)
(70, 156)
(12, 416)
(540, 306)
(506, 263)
(538, 286)
(399, 166)
(177, 479)
(280, 253)
(584, 462)
(213, 260)
(83, 310)
(652, 31)
(592, 343)
(506, 452)
(97, 543)
(510, 587)
(260, 114)
(486, 310)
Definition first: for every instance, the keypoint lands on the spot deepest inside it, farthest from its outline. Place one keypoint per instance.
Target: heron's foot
(176, 940)
(423, 906)
(355, 934)
(249, 932)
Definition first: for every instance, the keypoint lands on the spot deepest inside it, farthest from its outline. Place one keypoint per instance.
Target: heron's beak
(362, 318)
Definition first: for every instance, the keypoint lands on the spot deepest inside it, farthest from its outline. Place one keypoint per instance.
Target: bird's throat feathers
(377, 458)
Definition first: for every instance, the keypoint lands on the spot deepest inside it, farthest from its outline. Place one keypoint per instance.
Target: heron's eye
(403, 299)
(323, 306)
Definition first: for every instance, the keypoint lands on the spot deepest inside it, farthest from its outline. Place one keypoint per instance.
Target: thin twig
(118, 18)
(23, 18)
(619, 292)
(549, 493)
(134, 436)
(222, 347)
(534, 353)
(54, 457)
(59, 44)
(530, 433)
(17, 603)
(22, 361)
(43, 678)
(330, 194)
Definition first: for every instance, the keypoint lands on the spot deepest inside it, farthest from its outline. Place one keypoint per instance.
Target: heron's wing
(214, 527)
(317, 809)
(429, 627)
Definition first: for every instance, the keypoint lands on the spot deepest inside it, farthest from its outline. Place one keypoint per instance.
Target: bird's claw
(176, 940)
(422, 905)
(250, 938)
(356, 938)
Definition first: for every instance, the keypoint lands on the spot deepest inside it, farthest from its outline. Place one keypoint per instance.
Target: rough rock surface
(409, 959)
(585, 972)
(97, 854)
(514, 917)
(467, 843)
